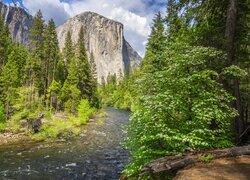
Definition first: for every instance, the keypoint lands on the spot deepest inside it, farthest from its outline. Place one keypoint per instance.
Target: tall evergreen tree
(68, 50)
(93, 65)
(51, 55)
(5, 42)
(13, 75)
(37, 53)
(84, 71)
(156, 45)
(71, 95)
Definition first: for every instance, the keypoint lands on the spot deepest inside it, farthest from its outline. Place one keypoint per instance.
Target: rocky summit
(103, 36)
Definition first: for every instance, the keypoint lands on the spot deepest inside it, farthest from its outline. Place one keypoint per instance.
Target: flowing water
(95, 154)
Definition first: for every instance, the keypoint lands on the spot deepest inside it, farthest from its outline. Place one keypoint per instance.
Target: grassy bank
(47, 126)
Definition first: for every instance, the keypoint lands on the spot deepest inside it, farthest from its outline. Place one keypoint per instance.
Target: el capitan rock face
(19, 22)
(104, 37)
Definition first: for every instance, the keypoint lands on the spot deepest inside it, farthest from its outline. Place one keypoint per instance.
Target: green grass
(206, 158)
(57, 128)
(3, 126)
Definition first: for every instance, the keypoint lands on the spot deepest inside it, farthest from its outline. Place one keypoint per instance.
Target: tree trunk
(230, 32)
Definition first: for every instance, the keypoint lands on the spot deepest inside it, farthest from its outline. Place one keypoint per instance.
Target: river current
(96, 154)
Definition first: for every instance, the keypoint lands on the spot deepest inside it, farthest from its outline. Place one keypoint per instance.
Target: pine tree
(155, 47)
(5, 42)
(172, 20)
(61, 69)
(51, 55)
(71, 95)
(13, 75)
(84, 71)
(54, 95)
(94, 100)
(36, 45)
(68, 50)
(93, 65)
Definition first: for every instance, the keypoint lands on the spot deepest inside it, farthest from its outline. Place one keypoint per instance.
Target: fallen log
(173, 163)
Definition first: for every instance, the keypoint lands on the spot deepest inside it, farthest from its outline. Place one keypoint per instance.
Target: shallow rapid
(95, 154)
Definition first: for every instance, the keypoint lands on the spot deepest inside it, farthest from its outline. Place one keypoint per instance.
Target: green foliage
(2, 117)
(234, 72)
(156, 44)
(3, 126)
(2, 114)
(13, 74)
(5, 42)
(39, 81)
(70, 94)
(35, 62)
(57, 128)
(206, 158)
(68, 51)
(85, 111)
(85, 83)
(50, 57)
(181, 107)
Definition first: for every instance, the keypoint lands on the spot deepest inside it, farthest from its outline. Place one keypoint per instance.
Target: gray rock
(19, 22)
(103, 37)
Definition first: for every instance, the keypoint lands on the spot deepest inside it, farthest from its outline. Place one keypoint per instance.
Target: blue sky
(136, 15)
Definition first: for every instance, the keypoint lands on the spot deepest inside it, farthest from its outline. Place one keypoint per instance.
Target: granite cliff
(103, 36)
(18, 21)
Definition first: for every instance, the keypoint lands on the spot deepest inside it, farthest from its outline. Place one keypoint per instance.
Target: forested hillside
(192, 90)
(39, 80)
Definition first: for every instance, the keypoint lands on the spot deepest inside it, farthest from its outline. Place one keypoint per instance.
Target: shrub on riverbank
(57, 128)
(66, 127)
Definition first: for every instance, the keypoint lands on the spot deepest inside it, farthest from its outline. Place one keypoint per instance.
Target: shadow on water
(95, 154)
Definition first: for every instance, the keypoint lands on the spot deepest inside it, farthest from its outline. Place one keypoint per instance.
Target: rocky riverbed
(10, 138)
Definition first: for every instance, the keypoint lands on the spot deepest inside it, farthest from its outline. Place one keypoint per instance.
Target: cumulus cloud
(136, 15)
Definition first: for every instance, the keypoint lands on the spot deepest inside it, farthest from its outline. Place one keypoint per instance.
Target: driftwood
(173, 163)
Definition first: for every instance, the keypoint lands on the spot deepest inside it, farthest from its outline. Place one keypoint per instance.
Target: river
(95, 154)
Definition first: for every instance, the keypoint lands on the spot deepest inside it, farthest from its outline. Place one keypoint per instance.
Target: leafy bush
(84, 112)
(57, 128)
(2, 126)
(2, 114)
(181, 108)
(206, 158)
(2, 118)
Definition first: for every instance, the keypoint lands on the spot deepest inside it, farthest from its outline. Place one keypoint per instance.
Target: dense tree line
(192, 89)
(40, 78)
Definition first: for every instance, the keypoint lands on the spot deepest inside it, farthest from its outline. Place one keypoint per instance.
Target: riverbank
(11, 138)
(226, 169)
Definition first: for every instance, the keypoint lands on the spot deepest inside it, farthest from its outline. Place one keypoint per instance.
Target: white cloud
(136, 15)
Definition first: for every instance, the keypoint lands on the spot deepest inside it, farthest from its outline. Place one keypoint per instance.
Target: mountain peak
(103, 37)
